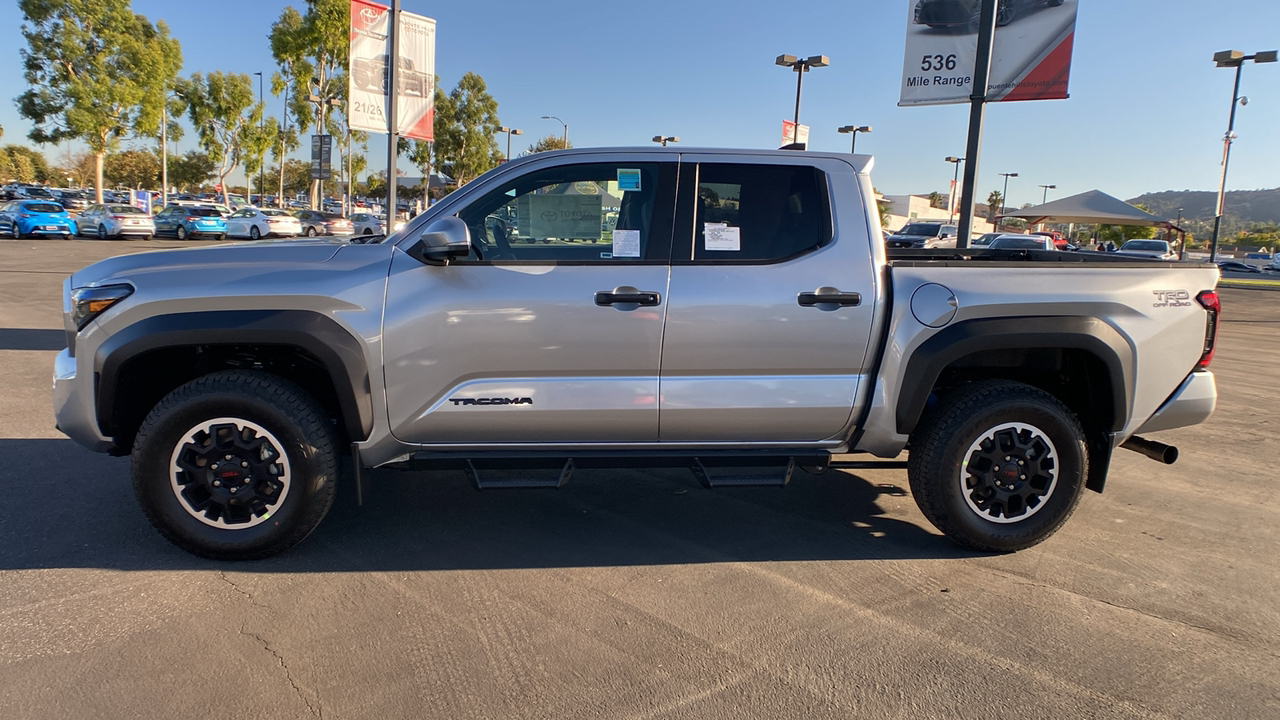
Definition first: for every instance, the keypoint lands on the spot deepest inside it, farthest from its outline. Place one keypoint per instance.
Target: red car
(1059, 241)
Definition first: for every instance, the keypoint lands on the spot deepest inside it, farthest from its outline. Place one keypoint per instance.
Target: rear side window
(759, 213)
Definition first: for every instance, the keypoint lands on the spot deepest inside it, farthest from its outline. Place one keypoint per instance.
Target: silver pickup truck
(737, 314)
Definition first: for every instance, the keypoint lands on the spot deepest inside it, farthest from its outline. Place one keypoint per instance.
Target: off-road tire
(948, 438)
(288, 415)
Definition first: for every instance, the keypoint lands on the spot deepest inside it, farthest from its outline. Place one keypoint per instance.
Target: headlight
(89, 302)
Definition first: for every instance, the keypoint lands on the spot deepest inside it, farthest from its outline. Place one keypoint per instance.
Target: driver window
(600, 212)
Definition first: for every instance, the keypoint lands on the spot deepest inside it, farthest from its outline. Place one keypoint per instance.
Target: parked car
(964, 13)
(1154, 249)
(24, 218)
(368, 224)
(184, 222)
(1022, 242)
(923, 235)
(984, 240)
(1059, 240)
(110, 221)
(34, 192)
(72, 200)
(1237, 266)
(324, 223)
(255, 223)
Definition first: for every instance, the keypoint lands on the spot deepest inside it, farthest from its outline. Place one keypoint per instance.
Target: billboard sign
(140, 199)
(792, 133)
(368, 73)
(1031, 59)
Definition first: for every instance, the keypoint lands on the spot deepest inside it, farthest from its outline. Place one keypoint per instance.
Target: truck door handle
(621, 296)
(829, 296)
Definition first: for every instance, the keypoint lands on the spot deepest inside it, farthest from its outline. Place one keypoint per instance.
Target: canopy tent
(1094, 206)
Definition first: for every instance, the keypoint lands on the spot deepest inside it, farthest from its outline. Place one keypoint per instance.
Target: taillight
(119, 217)
(1213, 306)
(192, 219)
(24, 215)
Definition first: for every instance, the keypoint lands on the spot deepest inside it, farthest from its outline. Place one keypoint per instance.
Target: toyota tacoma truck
(742, 319)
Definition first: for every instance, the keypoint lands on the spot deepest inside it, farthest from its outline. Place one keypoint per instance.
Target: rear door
(771, 302)
(551, 331)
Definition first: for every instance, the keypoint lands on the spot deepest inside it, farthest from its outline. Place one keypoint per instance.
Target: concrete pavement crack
(316, 710)
(248, 595)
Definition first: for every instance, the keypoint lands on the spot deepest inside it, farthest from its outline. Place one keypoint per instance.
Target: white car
(1154, 249)
(255, 223)
(1022, 242)
(367, 224)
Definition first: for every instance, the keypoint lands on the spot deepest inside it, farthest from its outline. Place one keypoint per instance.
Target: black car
(920, 235)
(1236, 266)
(964, 13)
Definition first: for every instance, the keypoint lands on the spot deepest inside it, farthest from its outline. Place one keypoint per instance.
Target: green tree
(258, 140)
(311, 50)
(223, 110)
(995, 201)
(465, 124)
(95, 71)
(32, 163)
(550, 142)
(6, 168)
(936, 198)
(191, 171)
(132, 168)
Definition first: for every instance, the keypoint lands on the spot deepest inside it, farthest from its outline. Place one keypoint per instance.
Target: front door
(551, 331)
(771, 303)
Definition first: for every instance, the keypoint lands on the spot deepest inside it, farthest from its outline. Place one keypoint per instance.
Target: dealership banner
(368, 74)
(1031, 59)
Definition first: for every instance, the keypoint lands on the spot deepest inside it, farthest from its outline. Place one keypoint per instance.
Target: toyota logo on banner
(368, 16)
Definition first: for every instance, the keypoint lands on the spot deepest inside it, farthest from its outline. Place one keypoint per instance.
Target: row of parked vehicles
(37, 217)
(934, 235)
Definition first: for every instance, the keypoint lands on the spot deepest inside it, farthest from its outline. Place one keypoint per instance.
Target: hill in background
(1244, 207)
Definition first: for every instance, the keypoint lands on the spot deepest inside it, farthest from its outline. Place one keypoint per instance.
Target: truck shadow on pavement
(77, 510)
(32, 339)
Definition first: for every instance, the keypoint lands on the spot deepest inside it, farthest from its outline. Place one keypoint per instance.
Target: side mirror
(441, 241)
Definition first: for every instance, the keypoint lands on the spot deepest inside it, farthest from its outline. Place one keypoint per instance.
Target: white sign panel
(368, 74)
(1031, 59)
(792, 133)
(566, 217)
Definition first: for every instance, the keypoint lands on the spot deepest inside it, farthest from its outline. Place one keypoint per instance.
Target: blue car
(28, 218)
(184, 222)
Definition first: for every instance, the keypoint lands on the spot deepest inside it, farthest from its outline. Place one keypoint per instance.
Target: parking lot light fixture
(566, 128)
(955, 183)
(1235, 59)
(1047, 188)
(1004, 195)
(854, 130)
(801, 66)
(664, 139)
(510, 132)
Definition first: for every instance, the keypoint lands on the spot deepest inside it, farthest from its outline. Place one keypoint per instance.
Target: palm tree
(995, 201)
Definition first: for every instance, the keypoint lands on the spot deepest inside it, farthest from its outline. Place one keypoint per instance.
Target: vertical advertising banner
(1031, 59)
(792, 133)
(369, 76)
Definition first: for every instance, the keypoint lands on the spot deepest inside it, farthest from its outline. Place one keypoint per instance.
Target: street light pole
(854, 130)
(955, 181)
(566, 128)
(664, 139)
(801, 66)
(510, 132)
(1236, 59)
(1047, 188)
(1004, 195)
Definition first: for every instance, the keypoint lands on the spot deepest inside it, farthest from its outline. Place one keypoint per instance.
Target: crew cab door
(771, 303)
(551, 330)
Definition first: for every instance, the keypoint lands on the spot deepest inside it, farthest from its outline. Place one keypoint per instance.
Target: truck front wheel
(236, 465)
(998, 466)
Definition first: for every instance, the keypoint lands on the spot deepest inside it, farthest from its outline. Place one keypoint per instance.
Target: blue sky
(1147, 108)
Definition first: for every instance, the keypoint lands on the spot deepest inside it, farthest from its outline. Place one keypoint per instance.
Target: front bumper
(73, 404)
(1191, 404)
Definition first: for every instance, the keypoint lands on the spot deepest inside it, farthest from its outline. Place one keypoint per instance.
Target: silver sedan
(111, 221)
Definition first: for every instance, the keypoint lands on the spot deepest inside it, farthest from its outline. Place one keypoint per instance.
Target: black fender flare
(341, 354)
(1016, 333)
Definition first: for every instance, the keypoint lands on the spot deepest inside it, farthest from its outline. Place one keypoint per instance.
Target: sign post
(321, 157)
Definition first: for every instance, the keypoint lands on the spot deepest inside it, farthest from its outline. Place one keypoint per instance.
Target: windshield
(38, 192)
(331, 216)
(986, 239)
(924, 229)
(43, 208)
(1152, 245)
(203, 212)
(124, 210)
(274, 213)
(1020, 243)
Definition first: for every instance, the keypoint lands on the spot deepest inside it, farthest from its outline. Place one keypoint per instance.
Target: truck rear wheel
(998, 466)
(236, 465)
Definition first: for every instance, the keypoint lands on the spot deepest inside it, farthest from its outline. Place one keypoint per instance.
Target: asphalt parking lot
(639, 594)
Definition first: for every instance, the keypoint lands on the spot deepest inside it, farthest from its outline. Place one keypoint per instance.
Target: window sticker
(721, 237)
(626, 243)
(629, 179)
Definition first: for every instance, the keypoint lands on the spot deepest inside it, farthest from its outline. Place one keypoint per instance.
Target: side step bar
(496, 477)
(720, 474)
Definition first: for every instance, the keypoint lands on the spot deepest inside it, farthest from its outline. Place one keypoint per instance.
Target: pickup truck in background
(1154, 249)
(742, 318)
(923, 235)
(371, 74)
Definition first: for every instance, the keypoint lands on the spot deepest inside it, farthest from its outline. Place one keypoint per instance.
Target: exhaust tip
(1158, 451)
